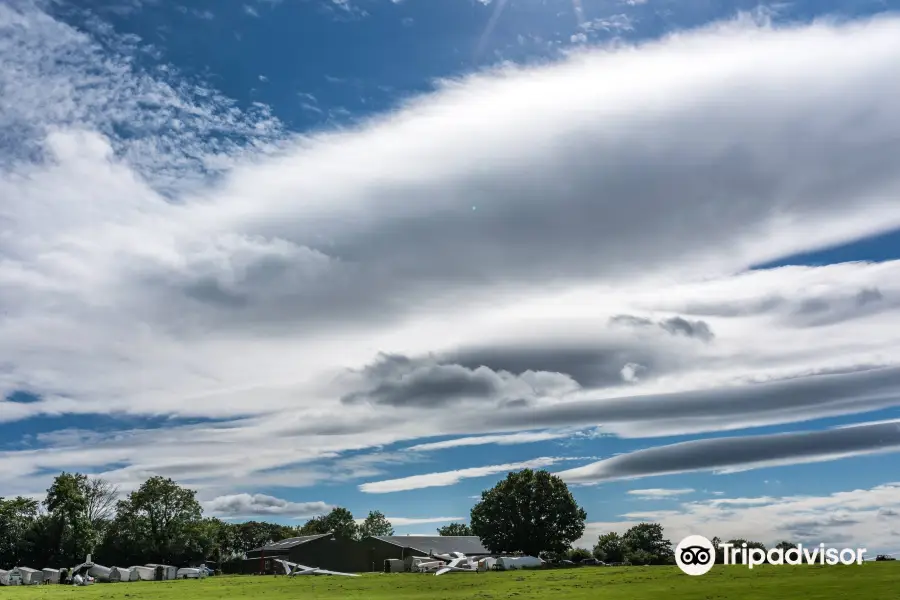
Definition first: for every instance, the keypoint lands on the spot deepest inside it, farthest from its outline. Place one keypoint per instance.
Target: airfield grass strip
(871, 581)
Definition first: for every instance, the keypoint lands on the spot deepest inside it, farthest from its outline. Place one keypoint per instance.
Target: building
(427, 545)
(309, 547)
(371, 552)
(340, 554)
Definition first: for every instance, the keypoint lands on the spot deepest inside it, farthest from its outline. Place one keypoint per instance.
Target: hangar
(261, 560)
(373, 551)
(327, 551)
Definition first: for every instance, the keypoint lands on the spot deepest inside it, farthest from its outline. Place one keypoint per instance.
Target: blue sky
(305, 253)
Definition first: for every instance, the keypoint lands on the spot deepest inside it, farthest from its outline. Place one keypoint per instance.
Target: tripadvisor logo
(696, 555)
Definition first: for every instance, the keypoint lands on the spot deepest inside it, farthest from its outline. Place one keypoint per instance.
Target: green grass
(871, 581)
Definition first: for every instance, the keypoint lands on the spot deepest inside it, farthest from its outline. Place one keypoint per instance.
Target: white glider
(294, 569)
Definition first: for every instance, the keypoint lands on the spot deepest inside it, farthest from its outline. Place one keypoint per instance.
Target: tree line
(528, 512)
(160, 522)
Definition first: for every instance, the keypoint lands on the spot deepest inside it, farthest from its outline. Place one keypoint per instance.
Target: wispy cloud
(446, 478)
(508, 439)
(660, 493)
(406, 521)
(732, 454)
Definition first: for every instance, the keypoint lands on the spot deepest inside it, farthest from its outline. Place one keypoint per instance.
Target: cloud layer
(739, 453)
(458, 267)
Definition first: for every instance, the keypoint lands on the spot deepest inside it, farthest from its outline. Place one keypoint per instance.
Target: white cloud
(247, 297)
(863, 518)
(261, 505)
(524, 437)
(406, 521)
(446, 478)
(660, 493)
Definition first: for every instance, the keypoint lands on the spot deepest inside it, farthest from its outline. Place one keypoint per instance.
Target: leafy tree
(646, 545)
(578, 554)
(17, 515)
(610, 548)
(340, 522)
(254, 534)
(784, 546)
(529, 511)
(72, 534)
(738, 543)
(213, 539)
(455, 529)
(643, 544)
(375, 524)
(315, 526)
(156, 521)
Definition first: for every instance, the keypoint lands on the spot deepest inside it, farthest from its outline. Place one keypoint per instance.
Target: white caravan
(190, 573)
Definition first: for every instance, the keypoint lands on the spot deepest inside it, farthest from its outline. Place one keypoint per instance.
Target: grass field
(871, 581)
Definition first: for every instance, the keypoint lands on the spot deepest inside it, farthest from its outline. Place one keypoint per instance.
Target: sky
(297, 254)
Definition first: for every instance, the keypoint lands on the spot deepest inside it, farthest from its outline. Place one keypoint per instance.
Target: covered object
(51, 575)
(164, 572)
(11, 577)
(31, 576)
(509, 563)
(101, 573)
(144, 573)
(123, 574)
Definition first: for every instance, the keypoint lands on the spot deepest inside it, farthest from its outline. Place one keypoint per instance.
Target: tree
(529, 511)
(340, 522)
(72, 536)
(578, 554)
(156, 522)
(315, 526)
(455, 529)
(17, 516)
(254, 534)
(101, 498)
(784, 546)
(610, 548)
(643, 544)
(646, 545)
(375, 524)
